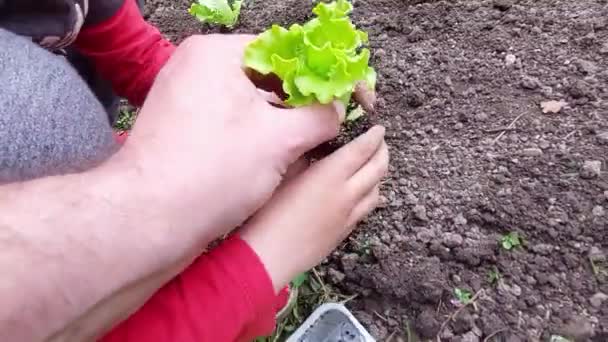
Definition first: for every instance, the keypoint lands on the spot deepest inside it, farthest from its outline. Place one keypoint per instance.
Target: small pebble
(602, 137)
(470, 337)
(503, 5)
(532, 152)
(460, 220)
(598, 211)
(510, 59)
(452, 240)
(530, 83)
(335, 276)
(591, 169)
(597, 299)
(420, 212)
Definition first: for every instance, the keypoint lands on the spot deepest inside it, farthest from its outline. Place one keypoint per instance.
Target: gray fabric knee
(50, 121)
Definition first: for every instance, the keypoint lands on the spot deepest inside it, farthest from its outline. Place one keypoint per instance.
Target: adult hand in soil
(313, 212)
(208, 149)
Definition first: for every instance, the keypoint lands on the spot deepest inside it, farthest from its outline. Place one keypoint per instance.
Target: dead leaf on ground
(553, 107)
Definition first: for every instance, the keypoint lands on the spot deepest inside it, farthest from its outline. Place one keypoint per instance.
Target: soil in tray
(473, 159)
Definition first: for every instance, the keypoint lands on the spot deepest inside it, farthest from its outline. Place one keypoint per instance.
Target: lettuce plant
(217, 11)
(321, 60)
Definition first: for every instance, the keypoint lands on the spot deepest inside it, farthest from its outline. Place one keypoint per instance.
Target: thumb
(305, 128)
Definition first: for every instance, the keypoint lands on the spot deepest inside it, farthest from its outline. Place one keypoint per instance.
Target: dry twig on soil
(508, 127)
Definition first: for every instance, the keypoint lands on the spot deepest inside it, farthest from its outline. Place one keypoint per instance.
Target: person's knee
(50, 121)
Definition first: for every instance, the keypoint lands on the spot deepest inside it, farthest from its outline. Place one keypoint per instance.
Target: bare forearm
(65, 244)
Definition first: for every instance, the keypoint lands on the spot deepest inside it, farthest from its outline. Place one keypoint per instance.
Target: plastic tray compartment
(331, 323)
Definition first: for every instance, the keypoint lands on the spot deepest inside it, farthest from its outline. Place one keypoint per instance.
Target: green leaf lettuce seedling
(319, 61)
(216, 11)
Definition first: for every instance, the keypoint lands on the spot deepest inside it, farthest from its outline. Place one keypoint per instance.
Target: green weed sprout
(463, 296)
(319, 61)
(494, 276)
(510, 241)
(219, 12)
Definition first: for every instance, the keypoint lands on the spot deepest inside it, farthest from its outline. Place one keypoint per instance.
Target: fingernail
(341, 110)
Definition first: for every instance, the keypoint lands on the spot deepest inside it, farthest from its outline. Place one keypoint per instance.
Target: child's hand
(313, 212)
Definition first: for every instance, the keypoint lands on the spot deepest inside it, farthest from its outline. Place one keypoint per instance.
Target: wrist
(279, 270)
(136, 193)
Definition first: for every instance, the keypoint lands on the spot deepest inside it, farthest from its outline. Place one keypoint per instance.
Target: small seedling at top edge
(511, 241)
(494, 276)
(218, 12)
(463, 296)
(322, 60)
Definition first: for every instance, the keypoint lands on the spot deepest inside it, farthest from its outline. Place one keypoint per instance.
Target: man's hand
(208, 148)
(207, 152)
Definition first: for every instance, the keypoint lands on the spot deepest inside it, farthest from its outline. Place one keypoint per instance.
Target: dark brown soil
(474, 158)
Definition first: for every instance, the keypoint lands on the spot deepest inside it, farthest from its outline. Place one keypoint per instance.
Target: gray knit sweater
(50, 121)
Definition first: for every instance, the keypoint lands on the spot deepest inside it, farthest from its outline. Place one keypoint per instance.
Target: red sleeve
(127, 51)
(225, 295)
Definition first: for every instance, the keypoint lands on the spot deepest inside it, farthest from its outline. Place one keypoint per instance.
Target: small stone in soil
(463, 322)
(596, 254)
(532, 152)
(597, 299)
(460, 220)
(335, 276)
(420, 212)
(542, 249)
(410, 198)
(581, 89)
(602, 137)
(470, 337)
(586, 67)
(349, 261)
(415, 98)
(505, 289)
(503, 5)
(598, 211)
(427, 324)
(530, 83)
(510, 59)
(452, 240)
(591, 169)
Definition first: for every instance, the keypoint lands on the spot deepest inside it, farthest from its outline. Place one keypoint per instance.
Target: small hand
(314, 211)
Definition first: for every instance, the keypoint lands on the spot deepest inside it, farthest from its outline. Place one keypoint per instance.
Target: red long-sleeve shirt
(225, 295)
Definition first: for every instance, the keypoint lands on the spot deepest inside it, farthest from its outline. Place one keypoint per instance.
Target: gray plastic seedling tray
(331, 323)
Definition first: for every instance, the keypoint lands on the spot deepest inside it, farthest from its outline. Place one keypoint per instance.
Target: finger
(365, 96)
(352, 156)
(295, 169)
(371, 173)
(362, 209)
(304, 128)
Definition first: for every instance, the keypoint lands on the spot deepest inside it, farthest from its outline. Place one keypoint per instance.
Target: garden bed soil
(474, 158)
